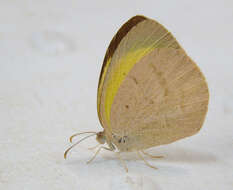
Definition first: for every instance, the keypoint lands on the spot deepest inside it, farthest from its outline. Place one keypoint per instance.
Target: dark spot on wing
(124, 139)
(135, 80)
(151, 102)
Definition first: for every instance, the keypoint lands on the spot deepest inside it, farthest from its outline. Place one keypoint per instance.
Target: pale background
(51, 53)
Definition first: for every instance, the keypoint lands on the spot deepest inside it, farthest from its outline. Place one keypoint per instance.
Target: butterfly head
(100, 137)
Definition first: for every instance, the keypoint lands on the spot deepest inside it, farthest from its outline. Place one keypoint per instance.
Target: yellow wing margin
(138, 42)
(122, 32)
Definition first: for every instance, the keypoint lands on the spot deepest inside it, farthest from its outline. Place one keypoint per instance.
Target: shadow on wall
(179, 154)
(171, 154)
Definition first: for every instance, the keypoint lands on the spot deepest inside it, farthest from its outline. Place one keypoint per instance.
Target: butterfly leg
(151, 156)
(147, 163)
(102, 147)
(122, 161)
(94, 147)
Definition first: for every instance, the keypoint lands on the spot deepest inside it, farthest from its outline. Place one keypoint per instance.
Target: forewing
(141, 39)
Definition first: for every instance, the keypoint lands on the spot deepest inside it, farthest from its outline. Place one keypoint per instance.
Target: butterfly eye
(100, 137)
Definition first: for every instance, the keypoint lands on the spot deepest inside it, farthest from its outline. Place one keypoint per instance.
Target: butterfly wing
(163, 98)
(141, 39)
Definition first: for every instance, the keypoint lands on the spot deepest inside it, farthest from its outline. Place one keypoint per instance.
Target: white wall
(51, 54)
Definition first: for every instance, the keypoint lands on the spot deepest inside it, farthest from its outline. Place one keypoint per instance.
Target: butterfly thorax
(122, 142)
(116, 142)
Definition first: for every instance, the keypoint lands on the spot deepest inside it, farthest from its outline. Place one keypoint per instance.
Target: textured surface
(51, 54)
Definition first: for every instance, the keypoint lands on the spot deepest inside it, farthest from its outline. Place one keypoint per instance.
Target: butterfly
(150, 92)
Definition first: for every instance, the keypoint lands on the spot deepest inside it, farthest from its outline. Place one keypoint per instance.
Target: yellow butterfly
(150, 92)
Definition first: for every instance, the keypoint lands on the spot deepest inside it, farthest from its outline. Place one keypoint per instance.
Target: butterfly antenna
(71, 138)
(66, 152)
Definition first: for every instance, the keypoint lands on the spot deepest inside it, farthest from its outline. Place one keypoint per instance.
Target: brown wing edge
(121, 33)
